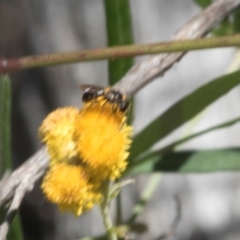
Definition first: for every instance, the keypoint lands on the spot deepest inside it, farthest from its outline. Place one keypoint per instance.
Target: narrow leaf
(203, 3)
(143, 158)
(15, 231)
(193, 161)
(182, 111)
(236, 21)
(119, 30)
(5, 109)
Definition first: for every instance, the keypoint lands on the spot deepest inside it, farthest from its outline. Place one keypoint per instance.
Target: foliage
(142, 158)
(5, 102)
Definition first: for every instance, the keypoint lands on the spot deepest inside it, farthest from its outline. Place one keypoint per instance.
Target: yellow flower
(57, 132)
(68, 186)
(103, 139)
(86, 148)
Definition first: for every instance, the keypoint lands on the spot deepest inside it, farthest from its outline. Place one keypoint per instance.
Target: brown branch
(23, 179)
(16, 185)
(144, 72)
(9, 65)
(27, 174)
(15, 204)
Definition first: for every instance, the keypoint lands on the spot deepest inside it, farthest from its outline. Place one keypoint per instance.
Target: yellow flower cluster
(68, 186)
(57, 132)
(86, 148)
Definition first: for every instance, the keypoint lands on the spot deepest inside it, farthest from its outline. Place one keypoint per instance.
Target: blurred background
(210, 206)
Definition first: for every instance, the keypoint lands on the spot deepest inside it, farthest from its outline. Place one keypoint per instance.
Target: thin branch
(140, 75)
(176, 221)
(27, 174)
(8, 65)
(144, 72)
(12, 211)
(16, 185)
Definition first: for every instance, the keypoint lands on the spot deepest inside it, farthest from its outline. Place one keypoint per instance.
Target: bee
(92, 92)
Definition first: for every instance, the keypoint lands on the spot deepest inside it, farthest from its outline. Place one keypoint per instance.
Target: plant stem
(105, 211)
(8, 65)
(146, 194)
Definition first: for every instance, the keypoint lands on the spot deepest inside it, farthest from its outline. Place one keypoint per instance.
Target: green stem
(105, 211)
(119, 209)
(8, 65)
(147, 193)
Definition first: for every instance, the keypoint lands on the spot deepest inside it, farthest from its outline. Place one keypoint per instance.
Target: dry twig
(16, 185)
(144, 72)
(23, 179)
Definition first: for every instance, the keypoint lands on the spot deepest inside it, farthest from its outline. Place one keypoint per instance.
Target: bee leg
(104, 103)
(127, 117)
(102, 107)
(88, 105)
(115, 107)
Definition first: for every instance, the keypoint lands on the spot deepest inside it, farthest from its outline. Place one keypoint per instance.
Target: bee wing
(85, 86)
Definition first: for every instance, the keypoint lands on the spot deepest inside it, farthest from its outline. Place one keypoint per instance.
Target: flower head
(86, 149)
(57, 132)
(68, 186)
(103, 139)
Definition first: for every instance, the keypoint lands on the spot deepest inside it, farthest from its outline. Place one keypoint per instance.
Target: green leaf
(236, 21)
(203, 3)
(119, 30)
(15, 231)
(143, 158)
(192, 161)
(5, 111)
(181, 112)
(227, 26)
(224, 28)
(170, 147)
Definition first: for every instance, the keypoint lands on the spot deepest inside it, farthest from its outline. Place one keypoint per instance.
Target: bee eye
(88, 96)
(124, 106)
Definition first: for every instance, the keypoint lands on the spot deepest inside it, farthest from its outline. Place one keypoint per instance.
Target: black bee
(92, 92)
